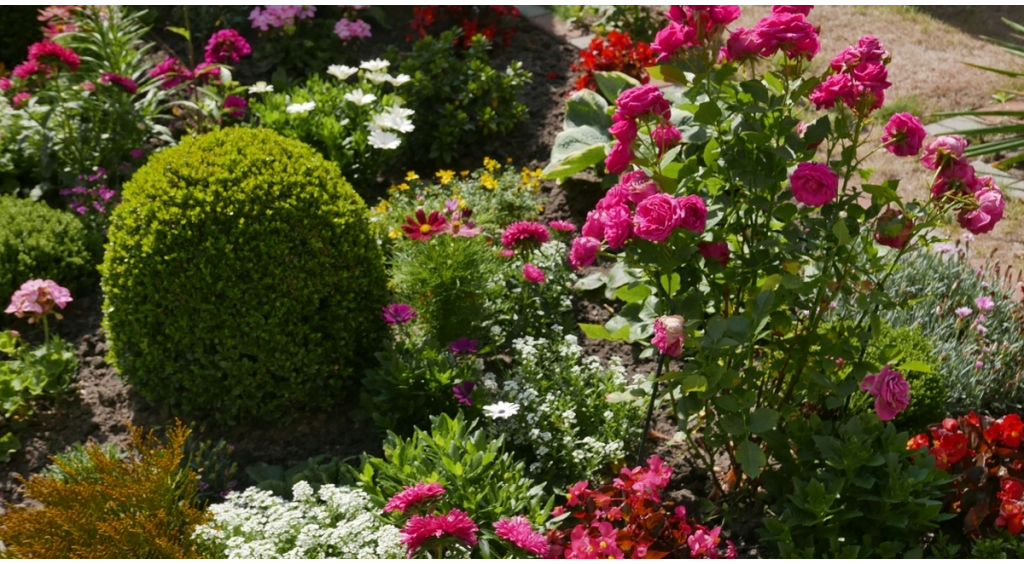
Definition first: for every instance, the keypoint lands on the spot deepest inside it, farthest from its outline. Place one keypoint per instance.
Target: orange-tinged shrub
(139, 507)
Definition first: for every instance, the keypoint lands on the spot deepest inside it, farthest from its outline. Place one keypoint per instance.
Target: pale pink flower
(37, 299)
(984, 303)
(669, 335)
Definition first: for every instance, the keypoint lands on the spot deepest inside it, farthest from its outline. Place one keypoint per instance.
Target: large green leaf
(612, 83)
(751, 458)
(574, 162)
(587, 108)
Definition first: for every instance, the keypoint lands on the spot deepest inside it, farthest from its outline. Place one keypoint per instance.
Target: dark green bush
(241, 278)
(37, 241)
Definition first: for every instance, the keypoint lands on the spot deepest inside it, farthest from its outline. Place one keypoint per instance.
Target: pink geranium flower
(37, 299)
(411, 496)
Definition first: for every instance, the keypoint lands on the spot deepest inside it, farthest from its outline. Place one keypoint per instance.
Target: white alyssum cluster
(336, 522)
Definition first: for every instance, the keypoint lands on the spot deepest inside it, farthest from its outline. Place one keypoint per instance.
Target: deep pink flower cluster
(93, 193)
(279, 16)
(397, 314)
(860, 78)
(524, 234)
(53, 55)
(786, 29)
(412, 496)
(891, 391)
(456, 525)
(644, 103)
(126, 84)
(635, 207)
(519, 532)
(692, 26)
(37, 299)
(980, 200)
(226, 46)
(44, 58)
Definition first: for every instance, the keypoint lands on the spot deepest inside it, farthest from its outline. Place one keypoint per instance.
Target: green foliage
(76, 464)
(37, 241)
(642, 23)
(316, 471)
(460, 100)
(480, 477)
(28, 373)
(446, 279)
(584, 139)
(241, 279)
(339, 129)
(212, 463)
(852, 490)
(412, 383)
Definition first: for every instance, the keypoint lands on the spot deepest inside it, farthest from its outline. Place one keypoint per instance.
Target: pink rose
(987, 214)
(894, 229)
(615, 196)
(669, 335)
(656, 217)
(814, 184)
(583, 252)
(665, 137)
(863, 99)
(831, 89)
(623, 129)
(678, 14)
(959, 169)
(803, 10)
(943, 149)
(742, 44)
(695, 213)
(618, 158)
(903, 135)
(618, 226)
(594, 225)
(638, 186)
(871, 49)
(791, 33)
(639, 100)
(533, 274)
(717, 251)
(872, 75)
(846, 60)
(710, 16)
(891, 391)
(671, 39)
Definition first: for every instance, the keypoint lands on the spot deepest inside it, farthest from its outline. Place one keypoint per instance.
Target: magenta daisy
(519, 532)
(463, 345)
(418, 530)
(47, 52)
(524, 234)
(411, 496)
(423, 227)
(397, 314)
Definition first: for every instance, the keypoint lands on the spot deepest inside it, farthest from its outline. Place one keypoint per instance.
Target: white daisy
(341, 72)
(300, 108)
(261, 87)
(399, 80)
(376, 65)
(378, 77)
(380, 139)
(359, 98)
(400, 111)
(501, 410)
(388, 120)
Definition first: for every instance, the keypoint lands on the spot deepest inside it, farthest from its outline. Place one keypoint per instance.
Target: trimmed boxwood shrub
(241, 278)
(37, 241)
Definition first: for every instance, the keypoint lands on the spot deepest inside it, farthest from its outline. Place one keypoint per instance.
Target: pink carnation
(411, 496)
(524, 233)
(695, 213)
(656, 217)
(226, 46)
(28, 69)
(891, 391)
(420, 529)
(519, 532)
(533, 274)
(903, 135)
(583, 252)
(814, 184)
(989, 211)
(669, 335)
(47, 52)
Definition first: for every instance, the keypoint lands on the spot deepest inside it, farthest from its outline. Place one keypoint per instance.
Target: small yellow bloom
(382, 206)
(509, 160)
(491, 164)
(411, 175)
(445, 176)
(489, 182)
(402, 187)
(464, 173)
(394, 233)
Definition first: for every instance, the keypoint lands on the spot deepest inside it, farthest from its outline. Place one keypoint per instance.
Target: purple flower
(462, 392)
(963, 312)
(397, 314)
(463, 345)
(985, 303)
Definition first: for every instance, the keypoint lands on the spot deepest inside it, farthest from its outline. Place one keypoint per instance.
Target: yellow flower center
(425, 228)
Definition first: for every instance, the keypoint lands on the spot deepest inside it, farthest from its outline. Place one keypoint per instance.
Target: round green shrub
(37, 241)
(927, 390)
(241, 278)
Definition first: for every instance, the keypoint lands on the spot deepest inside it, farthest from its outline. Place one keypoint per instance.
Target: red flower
(423, 227)
(1006, 430)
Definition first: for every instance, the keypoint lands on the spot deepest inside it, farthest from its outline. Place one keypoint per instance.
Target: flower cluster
(640, 107)
(859, 79)
(979, 200)
(336, 522)
(692, 26)
(891, 392)
(92, 195)
(276, 17)
(224, 47)
(488, 21)
(45, 59)
(636, 206)
(453, 221)
(37, 299)
(628, 519)
(617, 52)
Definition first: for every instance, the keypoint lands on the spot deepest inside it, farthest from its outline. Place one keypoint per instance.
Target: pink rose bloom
(742, 44)
(533, 274)
(594, 225)
(814, 184)
(863, 99)
(943, 149)
(846, 60)
(717, 251)
(666, 136)
(707, 17)
(871, 49)
(656, 217)
(903, 135)
(790, 33)
(615, 196)
(669, 335)
(695, 213)
(583, 252)
(618, 158)
(623, 129)
(831, 89)
(872, 75)
(639, 100)
(891, 391)
(987, 214)
(724, 14)
(618, 224)
(671, 39)
(638, 186)
(894, 229)
(960, 169)
(804, 10)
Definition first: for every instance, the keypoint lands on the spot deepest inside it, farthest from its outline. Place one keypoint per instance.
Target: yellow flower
(489, 182)
(410, 176)
(464, 173)
(491, 164)
(394, 233)
(445, 176)
(382, 206)
(402, 187)
(509, 160)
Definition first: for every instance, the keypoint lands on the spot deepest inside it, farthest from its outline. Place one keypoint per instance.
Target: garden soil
(928, 76)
